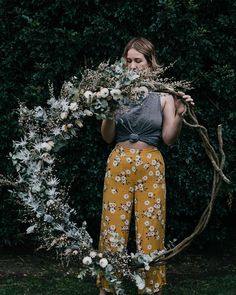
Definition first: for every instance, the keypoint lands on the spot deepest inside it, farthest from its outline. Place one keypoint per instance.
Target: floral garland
(98, 93)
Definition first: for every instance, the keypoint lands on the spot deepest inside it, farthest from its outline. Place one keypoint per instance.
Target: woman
(135, 175)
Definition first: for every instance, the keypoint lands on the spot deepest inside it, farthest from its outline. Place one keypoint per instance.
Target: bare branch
(218, 165)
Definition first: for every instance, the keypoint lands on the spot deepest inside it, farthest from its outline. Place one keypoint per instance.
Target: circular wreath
(98, 93)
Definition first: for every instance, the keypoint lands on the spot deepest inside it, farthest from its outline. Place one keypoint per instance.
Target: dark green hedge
(53, 40)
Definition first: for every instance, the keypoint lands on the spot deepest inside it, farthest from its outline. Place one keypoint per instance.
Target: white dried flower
(103, 262)
(39, 112)
(98, 94)
(147, 267)
(73, 106)
(49, 203)
(75, 252)
(142, 90)
(139, 282)
(64, 128)
(100, 255)
(67, 251)
(88, 94)
(47, 158)
(31, 229)
(46, 146)
(79, 123)
(88, 113)
(113, 240)
(51, 143)
(116, 94)
(104, 92)
(93, 254)
(87, 260)
(64, 115)
(148, 291)
(69, 85)
(76, 94)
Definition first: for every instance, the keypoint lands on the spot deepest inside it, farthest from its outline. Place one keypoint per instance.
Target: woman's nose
(133, 65)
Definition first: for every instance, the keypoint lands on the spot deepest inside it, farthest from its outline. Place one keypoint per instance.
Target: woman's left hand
(180, 106)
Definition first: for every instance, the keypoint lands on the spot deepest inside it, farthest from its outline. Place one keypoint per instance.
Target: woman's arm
(173, 108)
(108, 130)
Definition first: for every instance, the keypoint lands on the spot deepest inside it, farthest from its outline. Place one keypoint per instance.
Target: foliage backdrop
(54, 40)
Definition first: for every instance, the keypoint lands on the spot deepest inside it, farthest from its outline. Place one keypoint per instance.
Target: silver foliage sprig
(34, 160)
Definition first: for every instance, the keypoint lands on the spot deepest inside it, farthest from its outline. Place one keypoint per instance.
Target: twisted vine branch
(218, 162)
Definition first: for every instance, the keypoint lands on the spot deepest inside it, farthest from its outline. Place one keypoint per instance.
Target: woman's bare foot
(102, 292)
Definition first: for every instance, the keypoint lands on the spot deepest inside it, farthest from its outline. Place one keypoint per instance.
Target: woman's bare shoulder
(165, 95)
(165, 98)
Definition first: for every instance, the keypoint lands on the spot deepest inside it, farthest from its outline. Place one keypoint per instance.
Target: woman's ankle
(102, 292)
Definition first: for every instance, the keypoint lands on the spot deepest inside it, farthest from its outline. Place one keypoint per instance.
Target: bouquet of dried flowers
(104, 89)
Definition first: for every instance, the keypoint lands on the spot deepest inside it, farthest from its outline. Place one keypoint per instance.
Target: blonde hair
(145, 47)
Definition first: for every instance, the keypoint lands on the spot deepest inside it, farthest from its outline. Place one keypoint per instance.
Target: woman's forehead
(133, 53)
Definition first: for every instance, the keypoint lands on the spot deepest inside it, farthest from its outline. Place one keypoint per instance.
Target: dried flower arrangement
(98, 93)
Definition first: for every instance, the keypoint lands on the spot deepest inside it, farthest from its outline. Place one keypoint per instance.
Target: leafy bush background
(53, 40)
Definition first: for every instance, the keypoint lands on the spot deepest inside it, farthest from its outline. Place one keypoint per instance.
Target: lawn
(58, 285)
(188, 274)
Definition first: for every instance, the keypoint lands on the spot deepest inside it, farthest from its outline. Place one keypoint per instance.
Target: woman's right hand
(112, 107)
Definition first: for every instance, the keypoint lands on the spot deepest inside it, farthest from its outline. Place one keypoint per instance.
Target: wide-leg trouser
(135, 178)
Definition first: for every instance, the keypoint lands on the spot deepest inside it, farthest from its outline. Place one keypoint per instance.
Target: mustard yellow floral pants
(135, 178)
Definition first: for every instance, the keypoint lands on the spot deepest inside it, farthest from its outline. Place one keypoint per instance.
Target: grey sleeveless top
(140, 122)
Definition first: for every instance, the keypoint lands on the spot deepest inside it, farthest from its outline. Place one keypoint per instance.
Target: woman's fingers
(188, 99)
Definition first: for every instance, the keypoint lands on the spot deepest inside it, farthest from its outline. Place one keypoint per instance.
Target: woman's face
(136, 60)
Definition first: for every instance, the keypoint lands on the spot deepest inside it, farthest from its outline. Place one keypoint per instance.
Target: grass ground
(188, 274)
(57, 285)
